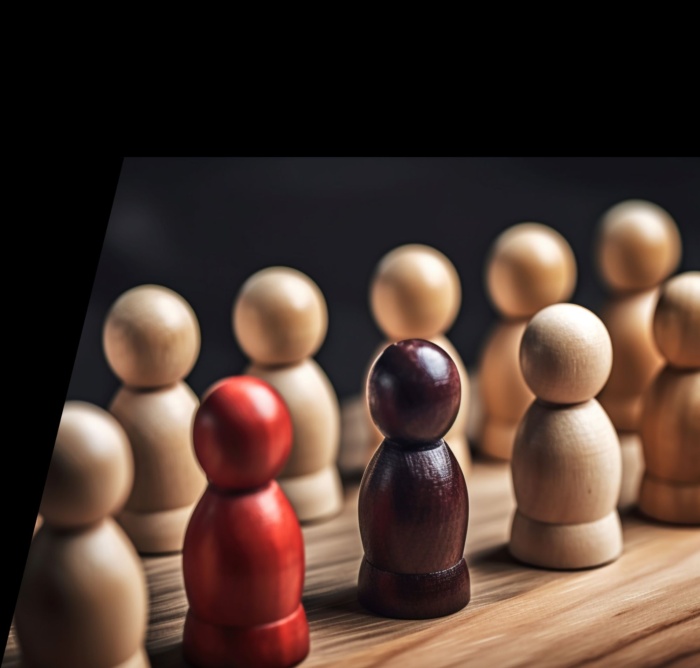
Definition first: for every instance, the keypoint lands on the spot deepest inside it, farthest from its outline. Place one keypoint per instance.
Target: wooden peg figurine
(638, 247)
(566, 462)
(416, 293)
(530, 266)
(280, 321)
(670, 425)
(83, 600)
(243, 560)
(151, 340)
(413, 503)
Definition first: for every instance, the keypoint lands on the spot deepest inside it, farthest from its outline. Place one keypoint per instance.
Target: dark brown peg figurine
(413, 506)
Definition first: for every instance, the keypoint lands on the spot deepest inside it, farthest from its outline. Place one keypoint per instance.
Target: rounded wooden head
(242, 433)
(414, 392)
(151, 337)
(566, 354)
(280, 316)
(530, 266)
(91, 470)
(638, 246)
(677, 320)
(415, 293)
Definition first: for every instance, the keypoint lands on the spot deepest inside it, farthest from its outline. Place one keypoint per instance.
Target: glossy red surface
(283, 643)
(243, 554)
(242, 433)
(243, 557)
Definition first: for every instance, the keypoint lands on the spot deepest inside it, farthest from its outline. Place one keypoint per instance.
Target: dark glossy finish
(243, 555)
(413, 509)
(413, 514)
(413, 505)
(414, 596)
(414, 392)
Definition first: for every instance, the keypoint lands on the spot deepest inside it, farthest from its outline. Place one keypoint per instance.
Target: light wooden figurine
(638, 247)
(83, 600)
(243, 560)
(670, 426)
(530, 266)
(280, 320)
(566, 464)
(416, 294)
(151, 340)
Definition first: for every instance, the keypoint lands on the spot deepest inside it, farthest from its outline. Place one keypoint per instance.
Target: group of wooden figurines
(570, 399)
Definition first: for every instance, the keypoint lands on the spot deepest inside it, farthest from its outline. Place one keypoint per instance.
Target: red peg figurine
(243, 557)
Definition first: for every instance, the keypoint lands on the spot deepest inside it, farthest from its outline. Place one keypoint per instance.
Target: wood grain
(641, 610)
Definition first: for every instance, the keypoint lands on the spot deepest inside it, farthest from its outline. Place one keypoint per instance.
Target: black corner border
(58, 251)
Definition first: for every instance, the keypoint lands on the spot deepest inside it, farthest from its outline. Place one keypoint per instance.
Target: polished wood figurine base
(566, 546)
(677, 503)
(315, 496)
(421, 596)
(281, 643)
(632, 469)
(157, 532)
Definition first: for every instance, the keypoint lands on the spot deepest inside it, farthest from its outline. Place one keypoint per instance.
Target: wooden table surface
(642, 610)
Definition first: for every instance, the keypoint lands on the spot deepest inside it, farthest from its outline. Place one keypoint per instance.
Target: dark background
(201, 226)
